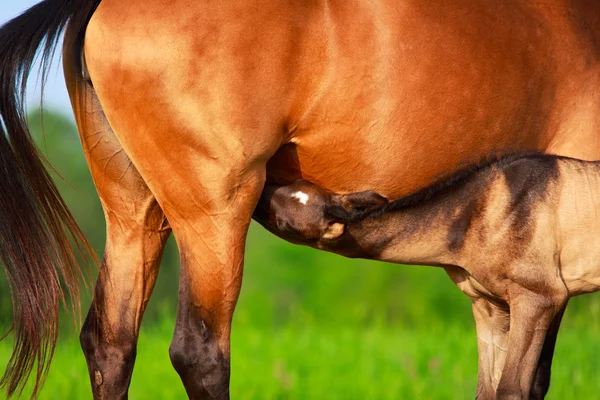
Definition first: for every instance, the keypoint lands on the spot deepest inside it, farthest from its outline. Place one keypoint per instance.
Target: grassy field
(309, 362)
(311, 325)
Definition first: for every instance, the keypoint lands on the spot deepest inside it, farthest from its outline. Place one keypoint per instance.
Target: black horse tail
(40, 241)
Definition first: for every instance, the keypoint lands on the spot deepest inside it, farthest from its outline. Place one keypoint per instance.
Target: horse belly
(400, 107)
(359, 95)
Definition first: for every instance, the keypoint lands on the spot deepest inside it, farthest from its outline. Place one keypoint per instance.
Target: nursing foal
(519, 236)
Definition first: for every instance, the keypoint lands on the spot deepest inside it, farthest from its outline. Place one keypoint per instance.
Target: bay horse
(519, 236)
(186, 108)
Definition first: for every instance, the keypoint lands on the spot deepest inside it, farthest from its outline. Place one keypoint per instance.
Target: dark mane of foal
(444, 186)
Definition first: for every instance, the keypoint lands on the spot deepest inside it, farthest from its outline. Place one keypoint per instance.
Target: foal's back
(579, 222)
(539, 212)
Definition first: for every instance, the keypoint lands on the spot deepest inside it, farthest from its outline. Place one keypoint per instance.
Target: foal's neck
(429, 231)
(434, 226)
(413, 236)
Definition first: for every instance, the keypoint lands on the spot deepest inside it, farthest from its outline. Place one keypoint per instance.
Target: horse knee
(200, 362)
(506, 392)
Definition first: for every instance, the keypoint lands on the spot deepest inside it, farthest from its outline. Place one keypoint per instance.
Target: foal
(519, 236)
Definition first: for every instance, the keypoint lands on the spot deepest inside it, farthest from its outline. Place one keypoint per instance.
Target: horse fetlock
(119, 347)
(110, 360)
(198, 359)
(103, 356)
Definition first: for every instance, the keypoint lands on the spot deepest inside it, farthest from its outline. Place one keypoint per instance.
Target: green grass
(310, 325)
(311, 362)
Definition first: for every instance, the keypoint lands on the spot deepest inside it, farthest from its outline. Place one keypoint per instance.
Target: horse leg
(212, 250)
(208, 196)
(541, 380)
(492, 324)
(531, 315)
(200, 137)
(136, 234)
(127, 275)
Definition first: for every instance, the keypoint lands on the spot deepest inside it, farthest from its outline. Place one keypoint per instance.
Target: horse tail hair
(40, 242)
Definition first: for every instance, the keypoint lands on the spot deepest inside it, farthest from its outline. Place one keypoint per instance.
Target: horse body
(399, 78)
(351, 96)
(186, 108)
(519, 236)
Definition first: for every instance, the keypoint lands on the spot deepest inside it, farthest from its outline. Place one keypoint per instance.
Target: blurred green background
(309, 325)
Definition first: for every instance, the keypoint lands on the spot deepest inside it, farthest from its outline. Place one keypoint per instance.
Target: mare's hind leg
(200, 131)
(209, 211)
(541, 381)
(132, 256)
(492, 322)
(208, 186)
(136, 234)
(211, 232)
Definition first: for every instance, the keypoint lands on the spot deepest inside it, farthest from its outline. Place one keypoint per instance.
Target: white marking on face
(301, 196)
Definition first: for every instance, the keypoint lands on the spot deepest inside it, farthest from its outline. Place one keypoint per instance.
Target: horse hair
(36, 227)
(451, 183)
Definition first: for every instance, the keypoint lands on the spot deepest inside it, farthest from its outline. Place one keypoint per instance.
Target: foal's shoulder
(529, 169)
(528, 178)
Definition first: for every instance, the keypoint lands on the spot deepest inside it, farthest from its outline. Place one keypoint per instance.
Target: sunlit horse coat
(186, 107)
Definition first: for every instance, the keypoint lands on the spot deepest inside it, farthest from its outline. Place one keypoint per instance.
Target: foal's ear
(362, 201)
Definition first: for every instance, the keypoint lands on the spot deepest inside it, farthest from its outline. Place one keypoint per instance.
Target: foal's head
(306, 213)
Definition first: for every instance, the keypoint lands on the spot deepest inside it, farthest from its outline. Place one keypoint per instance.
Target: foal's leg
(531, 315)
(492, 322)
(136, 234)
(541, 380)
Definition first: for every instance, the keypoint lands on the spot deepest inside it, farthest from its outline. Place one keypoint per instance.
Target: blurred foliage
(294, 303)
